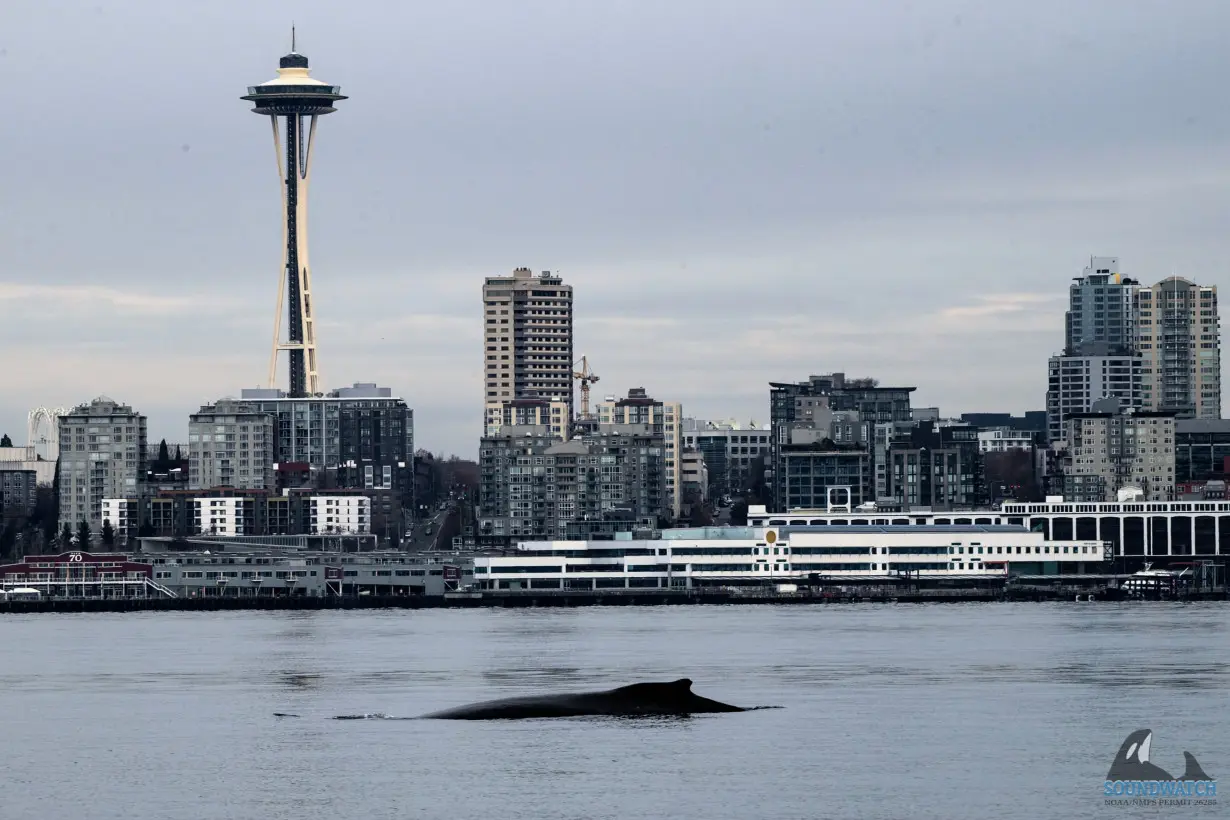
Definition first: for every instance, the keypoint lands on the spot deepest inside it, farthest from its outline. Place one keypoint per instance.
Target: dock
(1090, 589)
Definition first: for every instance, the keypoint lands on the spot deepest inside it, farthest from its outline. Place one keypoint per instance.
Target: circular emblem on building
(771, 536)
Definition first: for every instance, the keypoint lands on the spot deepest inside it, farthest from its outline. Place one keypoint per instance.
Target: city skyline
(762, 229)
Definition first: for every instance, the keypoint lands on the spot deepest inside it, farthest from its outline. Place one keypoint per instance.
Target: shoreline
(519, 600)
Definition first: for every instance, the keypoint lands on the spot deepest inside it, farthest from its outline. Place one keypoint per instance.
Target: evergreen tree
(108, 533)
(66, 537)
(178, 456)
(5, 441)
(163, 455)
(83, 536)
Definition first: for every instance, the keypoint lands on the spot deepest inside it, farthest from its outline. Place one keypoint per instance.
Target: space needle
(291, 101)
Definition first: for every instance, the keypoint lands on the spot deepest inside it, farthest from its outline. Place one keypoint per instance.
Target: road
(421, 542)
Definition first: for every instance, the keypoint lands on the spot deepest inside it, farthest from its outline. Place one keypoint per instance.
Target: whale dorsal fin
(683, 686)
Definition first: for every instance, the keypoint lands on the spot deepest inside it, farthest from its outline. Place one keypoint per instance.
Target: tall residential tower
(528, 343)
(1180, 341)
(1100, 358)
(292, 102)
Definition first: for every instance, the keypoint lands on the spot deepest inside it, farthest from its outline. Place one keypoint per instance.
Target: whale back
(652, 698)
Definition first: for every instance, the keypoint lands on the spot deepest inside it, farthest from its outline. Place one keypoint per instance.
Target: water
(961, 711)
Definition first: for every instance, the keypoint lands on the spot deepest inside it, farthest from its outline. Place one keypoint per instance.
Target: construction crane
(586, 377)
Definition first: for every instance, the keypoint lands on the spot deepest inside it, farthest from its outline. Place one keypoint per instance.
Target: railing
(150, 583)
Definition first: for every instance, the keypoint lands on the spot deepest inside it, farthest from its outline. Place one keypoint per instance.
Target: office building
(102, 455)
(1075, 383)
(938, 467)
(1180, 340)
(812, 464)
(533, 484)
(729, 449)
(810, 405)
(662, 417)
(230, 445)
(527, 340)
(1112, 448)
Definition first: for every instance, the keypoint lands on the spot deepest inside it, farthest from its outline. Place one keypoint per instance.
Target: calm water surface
(963, 711)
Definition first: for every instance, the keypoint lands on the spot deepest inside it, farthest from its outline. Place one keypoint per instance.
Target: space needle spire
(293, 101)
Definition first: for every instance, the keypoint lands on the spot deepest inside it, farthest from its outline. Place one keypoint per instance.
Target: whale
(661, 699)
(1132, 761)
(674, 698)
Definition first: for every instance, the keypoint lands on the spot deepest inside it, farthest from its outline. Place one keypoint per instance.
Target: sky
(739, 192)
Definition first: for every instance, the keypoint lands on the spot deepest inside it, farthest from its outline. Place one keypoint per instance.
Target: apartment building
(1180, 341)
(102, 455)
(534, 485)
(231, 445)
(662, 417)
(1112, 447)
(527, 341)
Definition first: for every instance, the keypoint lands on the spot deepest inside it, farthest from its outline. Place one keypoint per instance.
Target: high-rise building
(293, 101)
(1180, 341)
(1101, 317)
(663, 417)
(811, 404)
(102, 455)
(1074, 383)
(1100, 358)
(230, 445)
(528, 342)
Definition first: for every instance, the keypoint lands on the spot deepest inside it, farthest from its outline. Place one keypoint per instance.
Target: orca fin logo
(1132, 762)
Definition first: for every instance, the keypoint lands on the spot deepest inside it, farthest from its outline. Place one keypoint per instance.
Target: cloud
(90, 297)
(901, 196)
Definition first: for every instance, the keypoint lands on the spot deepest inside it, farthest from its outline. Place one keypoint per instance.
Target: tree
(66, 536)
(8, 539)
(5, 441)
(83, 535)
(163, 455)
(108, 533)
(178, 455)
(738, 513)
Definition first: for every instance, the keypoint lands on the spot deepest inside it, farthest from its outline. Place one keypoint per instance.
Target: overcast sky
(739, 192)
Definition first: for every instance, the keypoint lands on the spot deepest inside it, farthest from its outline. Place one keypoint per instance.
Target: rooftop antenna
(292, 36)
